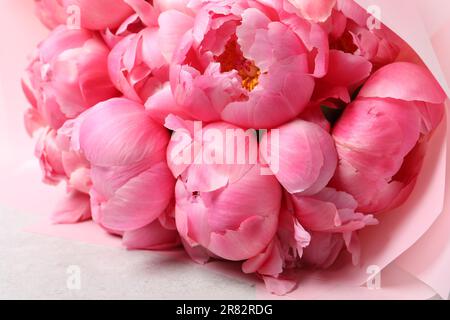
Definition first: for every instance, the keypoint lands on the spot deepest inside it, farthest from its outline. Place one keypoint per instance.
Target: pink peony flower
(68, 75)
(305, 158)
(221, 205)
(137, 67)
(59, 164)
(237, 61)
(132, 187)
(381, 136)
(353, 30)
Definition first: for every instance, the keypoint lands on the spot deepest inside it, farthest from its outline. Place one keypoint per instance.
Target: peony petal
(394, 81)
(222, 219)
(119, 132)
(172, 26)
(139, 201)
(279, 286)
(162, 103)
(269, 262)
(281, 96)
(317, 11)
(94, 16)
(151, 237)
(73, 208)
(347, 69)
(374, 135)
(323, 250)
(305, 168)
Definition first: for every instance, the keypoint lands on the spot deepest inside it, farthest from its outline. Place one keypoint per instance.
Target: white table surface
(34, 266)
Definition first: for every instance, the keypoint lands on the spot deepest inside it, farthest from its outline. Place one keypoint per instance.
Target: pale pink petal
(173, 25)
(317, 11)
(151, 237)
(279, 286)
(353, 10)
(73, 208)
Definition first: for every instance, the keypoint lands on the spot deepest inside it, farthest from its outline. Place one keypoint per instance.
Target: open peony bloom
(220, 206)
(132, 187)
(237, 61)
(382, 135)
(68, 75)
(305, 158)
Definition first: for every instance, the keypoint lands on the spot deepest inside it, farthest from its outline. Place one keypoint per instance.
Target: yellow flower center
(232, 58)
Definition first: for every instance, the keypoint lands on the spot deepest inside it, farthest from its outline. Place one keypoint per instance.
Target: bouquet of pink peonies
(269, 132)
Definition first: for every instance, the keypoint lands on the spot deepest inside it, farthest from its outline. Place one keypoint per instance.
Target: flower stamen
(232, 58)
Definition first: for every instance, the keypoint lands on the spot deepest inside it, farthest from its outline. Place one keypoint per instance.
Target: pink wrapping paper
(411, 244)
(425, 25)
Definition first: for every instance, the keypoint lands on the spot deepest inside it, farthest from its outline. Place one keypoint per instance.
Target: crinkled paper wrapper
(411, 246)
